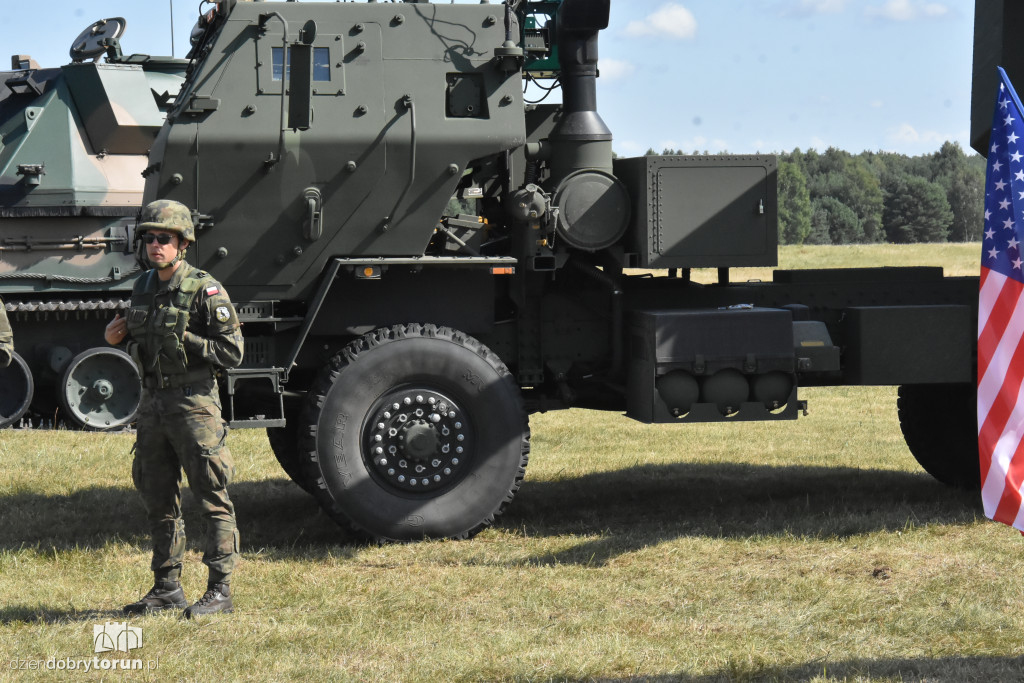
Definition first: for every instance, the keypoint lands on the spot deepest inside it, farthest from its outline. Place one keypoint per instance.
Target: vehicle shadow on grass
(628, 509)
(937, 670)
(647, 504)
(273, 516)
(22, 614)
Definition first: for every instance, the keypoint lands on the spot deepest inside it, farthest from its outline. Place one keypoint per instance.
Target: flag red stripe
(998, 318)
(1002, 408)
(1009, 502)
(995, 355)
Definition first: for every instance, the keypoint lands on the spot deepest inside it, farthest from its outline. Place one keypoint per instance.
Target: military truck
(421, 259)
(75, 140)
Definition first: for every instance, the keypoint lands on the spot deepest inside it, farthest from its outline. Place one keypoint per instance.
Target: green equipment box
(702, 211)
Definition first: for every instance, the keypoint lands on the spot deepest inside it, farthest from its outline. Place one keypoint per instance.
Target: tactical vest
(167, 370)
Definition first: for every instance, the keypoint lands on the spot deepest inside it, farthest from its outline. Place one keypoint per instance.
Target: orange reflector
(503, 270)
(368, 273)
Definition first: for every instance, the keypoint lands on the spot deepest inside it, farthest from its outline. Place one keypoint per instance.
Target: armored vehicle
(421, 259)
(73, 143)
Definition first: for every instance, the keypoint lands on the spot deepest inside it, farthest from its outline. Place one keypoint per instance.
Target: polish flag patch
(212, 289)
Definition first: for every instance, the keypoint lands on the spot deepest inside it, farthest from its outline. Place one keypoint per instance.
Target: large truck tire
(284, 441)
(415, 431)
(939, 424)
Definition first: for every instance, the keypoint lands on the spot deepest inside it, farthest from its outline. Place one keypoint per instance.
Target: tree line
(835, 197)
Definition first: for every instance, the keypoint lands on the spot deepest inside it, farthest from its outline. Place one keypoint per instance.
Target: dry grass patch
(783, 551)
(808, 550)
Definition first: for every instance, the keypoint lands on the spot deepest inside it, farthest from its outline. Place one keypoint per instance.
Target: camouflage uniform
(6, 339)
(180, 331)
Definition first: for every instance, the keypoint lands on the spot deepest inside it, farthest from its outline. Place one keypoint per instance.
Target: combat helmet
(169, 215)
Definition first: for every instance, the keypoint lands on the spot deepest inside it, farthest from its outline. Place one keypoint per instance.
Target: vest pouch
(135, 319)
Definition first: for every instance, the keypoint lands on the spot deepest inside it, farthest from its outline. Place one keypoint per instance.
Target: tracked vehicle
(421, 259)
(73, 144)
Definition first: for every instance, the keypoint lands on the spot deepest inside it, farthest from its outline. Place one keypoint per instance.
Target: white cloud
(629, 148)
(907, 134)
(614, 69)
(698, 143)
(669, 21)
(907, 10)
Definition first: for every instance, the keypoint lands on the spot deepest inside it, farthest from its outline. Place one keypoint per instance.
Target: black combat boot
(163, 595)
(217, 598)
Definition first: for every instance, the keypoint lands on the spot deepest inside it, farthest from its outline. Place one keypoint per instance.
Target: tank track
(72, 306)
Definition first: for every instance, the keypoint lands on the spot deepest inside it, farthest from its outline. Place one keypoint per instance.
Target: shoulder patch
(223, 314)
(212, 289)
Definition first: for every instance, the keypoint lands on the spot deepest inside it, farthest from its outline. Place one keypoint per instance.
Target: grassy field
(814, 550)
(956, 259)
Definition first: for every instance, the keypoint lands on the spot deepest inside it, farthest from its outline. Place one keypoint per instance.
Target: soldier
(6, 338)
(180, 328)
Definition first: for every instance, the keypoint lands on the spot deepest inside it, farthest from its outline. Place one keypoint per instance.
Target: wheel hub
(104, 388)
(420, 439)
(417, 439)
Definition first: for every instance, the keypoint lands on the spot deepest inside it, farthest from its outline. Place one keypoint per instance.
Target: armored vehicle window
(321, 63)
(279, 62)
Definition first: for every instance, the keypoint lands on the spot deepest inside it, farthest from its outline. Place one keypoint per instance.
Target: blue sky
(739, 75)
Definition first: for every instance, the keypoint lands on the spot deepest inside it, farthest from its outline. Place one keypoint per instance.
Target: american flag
(1001, 316)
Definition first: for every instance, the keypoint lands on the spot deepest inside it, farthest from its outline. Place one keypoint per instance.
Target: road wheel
(415, 432)
(940, 427)
(16, 390)
(101, 389)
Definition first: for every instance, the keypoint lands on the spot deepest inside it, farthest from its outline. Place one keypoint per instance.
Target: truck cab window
(321, 63)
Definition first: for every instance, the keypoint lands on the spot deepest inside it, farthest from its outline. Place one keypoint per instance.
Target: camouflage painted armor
(6, 338)
(180, 331)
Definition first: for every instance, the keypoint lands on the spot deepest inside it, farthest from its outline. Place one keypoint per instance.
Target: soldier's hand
(116, 331)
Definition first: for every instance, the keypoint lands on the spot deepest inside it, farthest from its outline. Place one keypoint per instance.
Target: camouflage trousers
(192, 440)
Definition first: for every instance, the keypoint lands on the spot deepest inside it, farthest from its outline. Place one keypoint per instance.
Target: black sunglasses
(162, 238)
